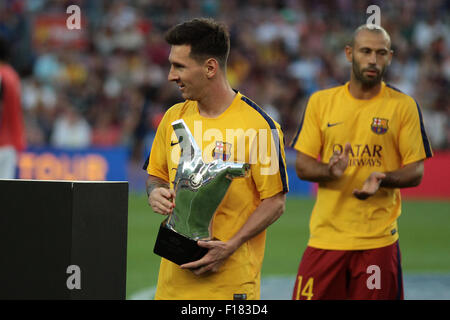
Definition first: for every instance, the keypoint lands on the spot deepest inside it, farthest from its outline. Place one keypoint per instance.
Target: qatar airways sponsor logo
(360, 155)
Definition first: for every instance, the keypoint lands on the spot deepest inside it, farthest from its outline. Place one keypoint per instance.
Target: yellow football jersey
(385, 133)
(243, 133)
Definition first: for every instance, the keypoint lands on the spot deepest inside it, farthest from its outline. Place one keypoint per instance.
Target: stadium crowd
(113, 89)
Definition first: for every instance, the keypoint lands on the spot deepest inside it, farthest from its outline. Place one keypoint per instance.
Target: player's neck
(360, 91)
(217, 99)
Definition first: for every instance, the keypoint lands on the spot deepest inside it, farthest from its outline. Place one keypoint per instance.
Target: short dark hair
(206, 37)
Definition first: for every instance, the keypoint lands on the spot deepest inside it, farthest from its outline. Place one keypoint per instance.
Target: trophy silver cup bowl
(199, 189)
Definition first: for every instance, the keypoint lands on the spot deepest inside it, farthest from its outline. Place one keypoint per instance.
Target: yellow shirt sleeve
(269, 173)
(309, 137)
(158, 156)
(413, 141)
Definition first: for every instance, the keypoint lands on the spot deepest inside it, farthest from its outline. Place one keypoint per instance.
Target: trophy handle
(189, 148)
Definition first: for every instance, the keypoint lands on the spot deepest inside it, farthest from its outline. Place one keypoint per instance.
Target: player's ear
(349, 53)
(211, 67)
(391, 54)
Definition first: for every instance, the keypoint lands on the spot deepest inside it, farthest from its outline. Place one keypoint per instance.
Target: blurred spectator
(47, 67)
(106, 131)
(71, 130)
(12, 133)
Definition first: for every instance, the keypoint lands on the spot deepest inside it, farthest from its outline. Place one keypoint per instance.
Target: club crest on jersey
(380, 125)
(222, 150)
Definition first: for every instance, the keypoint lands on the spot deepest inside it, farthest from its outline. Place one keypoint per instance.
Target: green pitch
(423, 228)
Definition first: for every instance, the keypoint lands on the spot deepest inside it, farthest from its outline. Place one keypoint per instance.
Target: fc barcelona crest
(380, 125)
(222, 150)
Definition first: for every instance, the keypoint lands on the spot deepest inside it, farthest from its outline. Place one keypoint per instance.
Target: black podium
(63, 239)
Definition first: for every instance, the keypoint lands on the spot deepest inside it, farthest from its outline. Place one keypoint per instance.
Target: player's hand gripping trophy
(199, 189)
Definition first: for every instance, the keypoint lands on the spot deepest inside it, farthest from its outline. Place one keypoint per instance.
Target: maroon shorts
(356, 274)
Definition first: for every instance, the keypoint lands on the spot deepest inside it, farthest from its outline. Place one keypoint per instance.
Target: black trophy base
(176, 247)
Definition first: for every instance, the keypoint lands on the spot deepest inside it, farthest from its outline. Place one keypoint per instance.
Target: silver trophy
(199, 189)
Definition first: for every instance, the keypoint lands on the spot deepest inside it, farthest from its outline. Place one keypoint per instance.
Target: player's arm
(268, 211)
(405, 177)
(160, 197)
(311, 169)
(409, 175)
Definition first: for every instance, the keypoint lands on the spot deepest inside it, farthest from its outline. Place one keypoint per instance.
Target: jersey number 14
(307, 290)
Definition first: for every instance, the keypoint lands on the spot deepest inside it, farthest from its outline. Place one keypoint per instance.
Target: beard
(366, 81)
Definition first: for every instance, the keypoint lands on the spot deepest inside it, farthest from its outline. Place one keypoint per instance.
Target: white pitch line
(266, 287)
(145, 294)
(279, 287)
